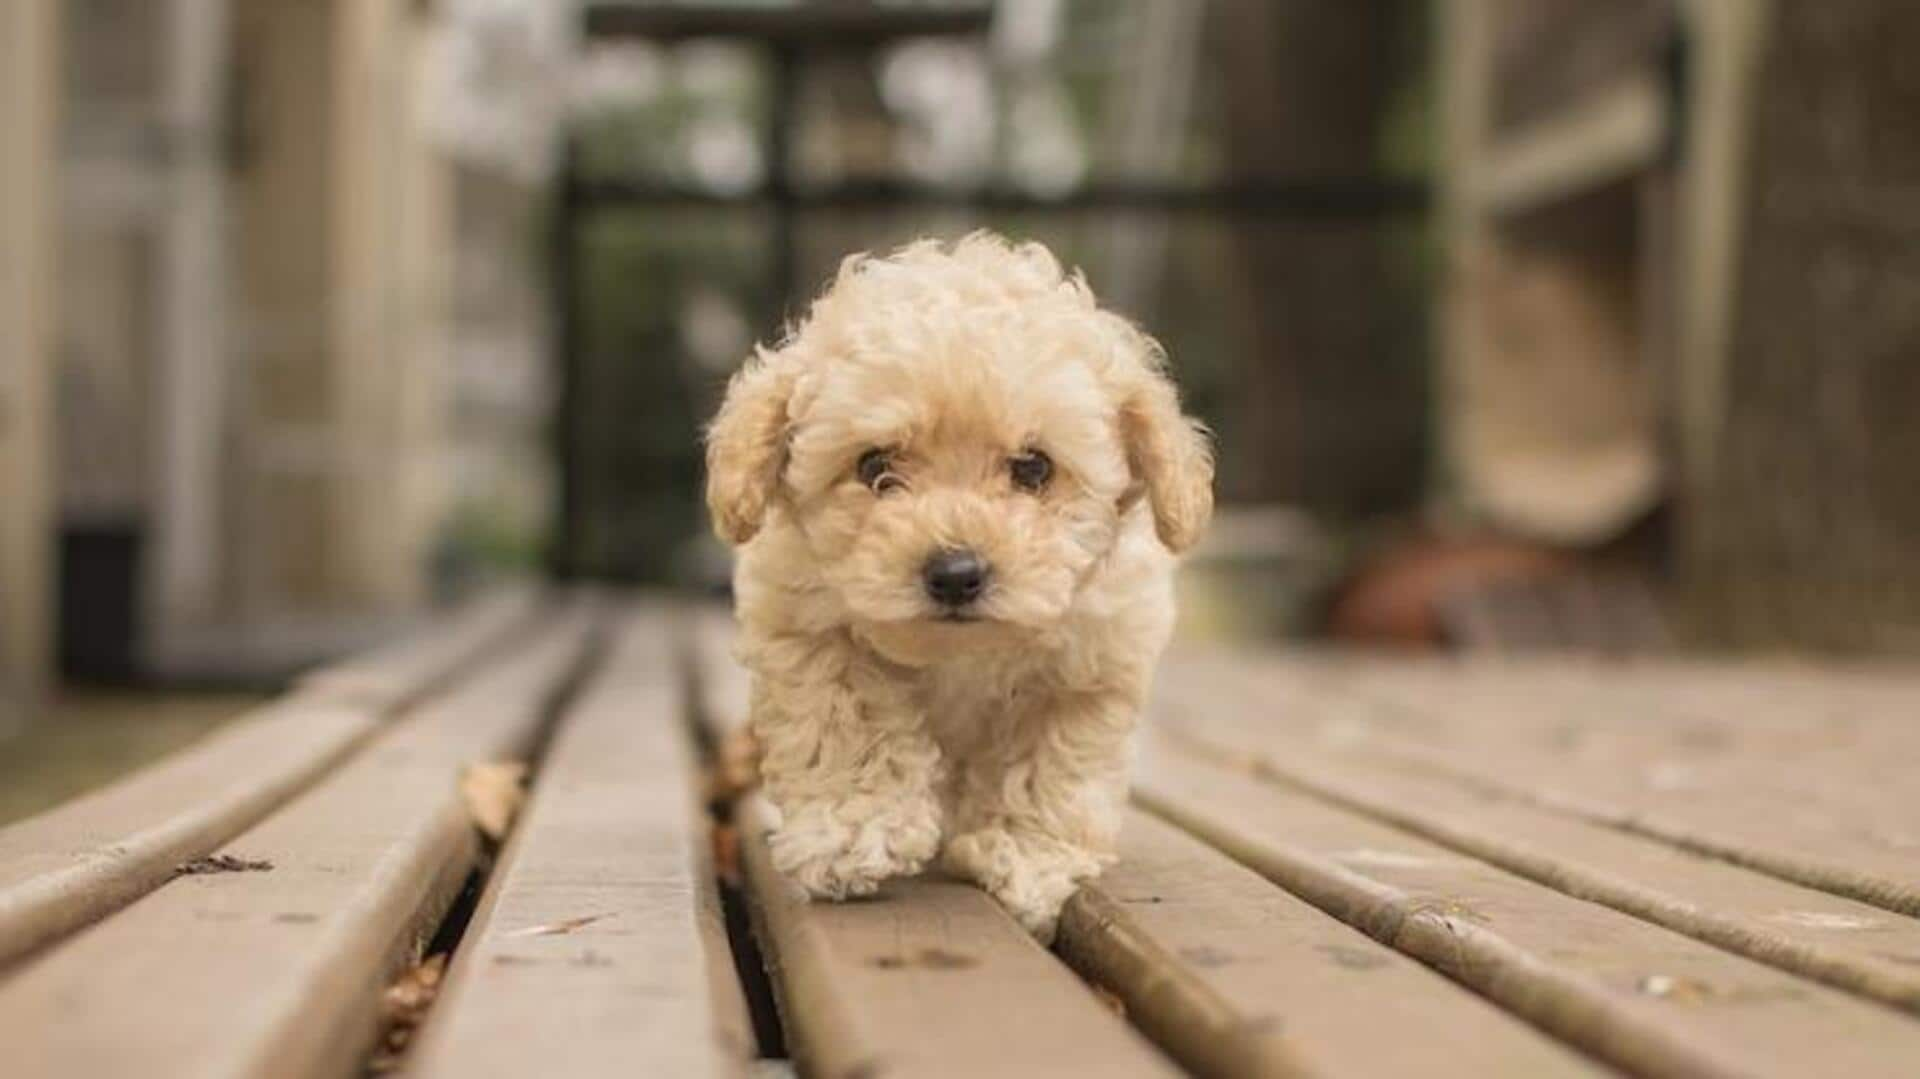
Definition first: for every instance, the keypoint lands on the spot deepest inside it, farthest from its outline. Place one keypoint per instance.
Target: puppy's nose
(955, 578)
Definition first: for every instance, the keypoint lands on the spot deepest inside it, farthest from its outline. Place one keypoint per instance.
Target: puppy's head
(957, 434)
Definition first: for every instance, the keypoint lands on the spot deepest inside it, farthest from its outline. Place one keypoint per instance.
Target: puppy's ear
(746, 444)
(1171, 457)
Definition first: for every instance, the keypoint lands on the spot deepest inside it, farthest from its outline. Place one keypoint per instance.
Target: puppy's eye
(876, 471)
(1031, 470)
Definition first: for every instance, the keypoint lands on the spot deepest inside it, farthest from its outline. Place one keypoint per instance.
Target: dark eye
(1031, 470)
(876, 471)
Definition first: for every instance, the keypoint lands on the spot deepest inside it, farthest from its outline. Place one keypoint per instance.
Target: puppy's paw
(842, 850)
(1032, 880)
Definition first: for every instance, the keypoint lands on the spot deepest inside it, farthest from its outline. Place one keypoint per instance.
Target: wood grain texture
(929, 978)
(393, 677)
(1802, 773)
(1638, 996)
(594, 951)
(278, 970)
(83, 860)
(1235, 977)
(1845, 943)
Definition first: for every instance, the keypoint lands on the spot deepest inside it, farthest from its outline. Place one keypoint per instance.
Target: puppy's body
(958, 487)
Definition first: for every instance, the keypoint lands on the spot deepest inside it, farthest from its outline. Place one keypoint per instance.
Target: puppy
(958, 488)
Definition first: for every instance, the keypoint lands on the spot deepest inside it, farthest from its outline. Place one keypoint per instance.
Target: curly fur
(889, 737)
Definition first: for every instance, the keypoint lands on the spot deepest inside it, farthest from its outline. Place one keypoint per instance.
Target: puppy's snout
(955, 578)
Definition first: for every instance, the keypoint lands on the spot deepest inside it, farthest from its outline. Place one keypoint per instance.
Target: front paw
(836, 850)
(1033, 880)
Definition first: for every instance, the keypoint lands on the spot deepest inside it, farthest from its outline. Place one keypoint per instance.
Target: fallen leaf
(556, 928)
(413, 991)
(735, 768)
(221, 863)
(494, 792)
(403, 1007)
(726, 853)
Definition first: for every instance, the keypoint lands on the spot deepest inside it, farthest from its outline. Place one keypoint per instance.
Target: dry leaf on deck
(735, 769)
(726, 853)
(493, 792)
(402, 1009)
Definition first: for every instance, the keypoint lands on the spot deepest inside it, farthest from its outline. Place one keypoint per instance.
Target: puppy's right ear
(746, 444)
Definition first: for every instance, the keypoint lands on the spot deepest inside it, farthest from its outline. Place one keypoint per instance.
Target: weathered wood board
(1235, 977)
(70, 866)
(1639, 996)
(272, 964)
(1840, 941)
(1805, 775)
(929, 978)
(596, 949)
(393, 677)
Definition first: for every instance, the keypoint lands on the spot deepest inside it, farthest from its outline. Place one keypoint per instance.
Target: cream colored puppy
(958, 487)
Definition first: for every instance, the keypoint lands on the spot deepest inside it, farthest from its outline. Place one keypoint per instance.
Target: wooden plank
(1805, 778)
(1803, 775)
(278, 971)
(1233, 976)
(594, 949)
(1636, 995)
(1847, 944)
(79, 862)
(392, 677)
(929, 978)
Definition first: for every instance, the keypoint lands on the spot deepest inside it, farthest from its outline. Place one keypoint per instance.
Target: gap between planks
(278, 972)
(1233, 976)
(1236, 977)
(1734, 763)
(1634, 994)
(597, 947)
(1846, 944)
(83, 860)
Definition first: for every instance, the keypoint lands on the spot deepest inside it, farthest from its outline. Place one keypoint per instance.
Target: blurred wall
(1806, 526)
(300, 330)
(1681, 287)
(29, 63)
(343, 263)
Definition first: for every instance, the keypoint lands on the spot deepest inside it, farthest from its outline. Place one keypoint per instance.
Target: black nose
(955, 578)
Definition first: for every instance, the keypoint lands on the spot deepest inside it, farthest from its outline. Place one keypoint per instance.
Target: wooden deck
(1335, 867)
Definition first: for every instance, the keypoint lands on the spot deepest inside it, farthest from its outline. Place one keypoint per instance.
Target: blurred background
(1563, 325)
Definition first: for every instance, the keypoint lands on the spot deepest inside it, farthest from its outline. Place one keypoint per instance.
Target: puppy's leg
(847, 759)
(1038, 809)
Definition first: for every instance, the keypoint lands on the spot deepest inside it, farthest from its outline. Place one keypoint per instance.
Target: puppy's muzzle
(954, 578)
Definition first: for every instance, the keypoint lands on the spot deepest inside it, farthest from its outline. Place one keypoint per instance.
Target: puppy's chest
(966, 705)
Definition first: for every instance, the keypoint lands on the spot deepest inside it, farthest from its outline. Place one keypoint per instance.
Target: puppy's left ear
(746, 444)
(1171, 457)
